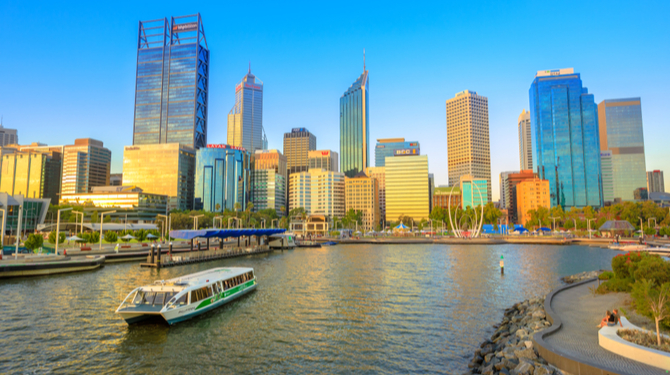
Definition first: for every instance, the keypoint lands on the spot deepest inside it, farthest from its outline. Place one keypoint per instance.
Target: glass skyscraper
(222, 178)
(564, 123)
(355, 127)
(393, 146)
(622, 148)
(172, 82)
(245, 120)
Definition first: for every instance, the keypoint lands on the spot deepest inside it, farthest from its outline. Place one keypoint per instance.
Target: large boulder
(542, 370)
(524, 368)
(525, 353)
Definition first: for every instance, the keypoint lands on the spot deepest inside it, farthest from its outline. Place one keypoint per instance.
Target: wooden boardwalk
(202, 256)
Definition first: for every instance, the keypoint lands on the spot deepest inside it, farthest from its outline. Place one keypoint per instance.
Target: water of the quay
(345, 309)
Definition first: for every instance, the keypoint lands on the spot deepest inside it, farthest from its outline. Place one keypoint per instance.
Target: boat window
(160, 298)
(200, 294)
(149, 298)
(182, 300)
(168, 296)
(139, 298)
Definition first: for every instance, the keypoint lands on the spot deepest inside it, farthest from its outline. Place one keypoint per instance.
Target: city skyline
(394, 112)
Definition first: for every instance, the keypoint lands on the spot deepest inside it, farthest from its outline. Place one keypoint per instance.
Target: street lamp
(554, 218)
(81, 228)
(263, 221)
(641, 227)
(102, 217)
(588, 222)
(272, 223)
(195, 221)
(2, 235)
(163, 224)
(220, 221)
(231, 218)
(58, 227)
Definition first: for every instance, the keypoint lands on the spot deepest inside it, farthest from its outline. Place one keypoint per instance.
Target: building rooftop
(391, 140)
(116, 189)
(557, 72)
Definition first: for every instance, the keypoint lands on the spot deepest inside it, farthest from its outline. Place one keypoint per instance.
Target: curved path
(578, 313)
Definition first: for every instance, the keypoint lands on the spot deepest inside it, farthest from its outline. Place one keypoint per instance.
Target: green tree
(111, 237)
(94, 237)
(85, 238)
(52, 237)
(94, 216)
(217, 207)
(491, 214)
(34, 241)
(655, 301)
(140, 235)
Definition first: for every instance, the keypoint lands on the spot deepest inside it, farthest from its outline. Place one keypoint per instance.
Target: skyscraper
(504, 190)
(245, 120)
(222, 178)
(620, 128)
(172, 82)
(85, 165)
(355, 127)
(323, 159)
(655, 183)
(525, 141)
(390, 146)
(297, 145)
(468, 149)
(564, 123)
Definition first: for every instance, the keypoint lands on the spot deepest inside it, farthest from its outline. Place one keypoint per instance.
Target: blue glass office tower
(564, 123)
(355, 127)
(222, 178)
(245, 120)
(622, 148)
(171, 92)
(392, 147)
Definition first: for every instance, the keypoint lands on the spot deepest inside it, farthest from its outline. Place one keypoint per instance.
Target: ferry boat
(188, 296)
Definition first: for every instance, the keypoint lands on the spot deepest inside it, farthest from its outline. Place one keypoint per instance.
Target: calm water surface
(351, 308)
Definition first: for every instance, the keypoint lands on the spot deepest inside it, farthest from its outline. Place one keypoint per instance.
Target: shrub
(654, 269)
(34, 241)
(140, 235)
(606, 275)
(52, 237)
(644, 338)
(85, 238)
(94, 237)
(618, 285)
(111, 237)
(624, 265)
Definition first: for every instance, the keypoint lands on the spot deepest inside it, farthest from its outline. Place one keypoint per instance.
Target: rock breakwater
(510, 350)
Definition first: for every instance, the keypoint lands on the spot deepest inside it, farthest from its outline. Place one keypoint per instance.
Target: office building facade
(8, 136)
(564, 123)
(318, 191)
(504, 190)
(530, 195)
(407, 187)
(32, 174)
(513, 180)
(245, 120)
(163, 169)
(86, 164)
(473, 192)
(323, 159)
(655, 182)
(379, 174)
(172, 82)
(268, 181)
(297, 145)
(31, 211)
(222, 178)
(468, 149)
(355, 127)
(525, 141)
(362, 194)
(392, 147)
(621, 137)
(447, 196)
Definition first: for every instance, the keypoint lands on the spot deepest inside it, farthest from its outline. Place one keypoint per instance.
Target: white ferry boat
(184, 297)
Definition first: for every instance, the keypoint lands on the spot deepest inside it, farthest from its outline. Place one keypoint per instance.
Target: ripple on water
(364, 309)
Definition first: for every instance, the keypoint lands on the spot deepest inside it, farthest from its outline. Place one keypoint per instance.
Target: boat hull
(186, 313)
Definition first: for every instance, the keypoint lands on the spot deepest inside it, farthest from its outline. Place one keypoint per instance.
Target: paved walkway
(581, 312)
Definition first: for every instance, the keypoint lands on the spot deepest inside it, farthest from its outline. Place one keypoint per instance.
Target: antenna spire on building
(249, 66)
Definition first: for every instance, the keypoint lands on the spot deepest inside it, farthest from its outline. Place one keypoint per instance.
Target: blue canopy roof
(223, 233)
(545, 229)
(401, 226)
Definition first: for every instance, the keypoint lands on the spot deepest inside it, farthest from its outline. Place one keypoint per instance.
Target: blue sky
(67, 70)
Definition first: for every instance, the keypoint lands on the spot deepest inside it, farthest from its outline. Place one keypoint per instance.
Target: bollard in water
(159, 254)
(170, 251)
(191, 244)
(152, 253)
(198, 245)
(502, 265)
(220, 243)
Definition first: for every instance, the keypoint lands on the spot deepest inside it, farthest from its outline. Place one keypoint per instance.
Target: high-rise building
(85, 165)
(222, 178)
(564, 123)
(379, 174)
(323, 159)
(504, 190)
(513, 180)
(318, 191)
(164, 169)
(33, 174)
(530, 195)
(172, 82)
(655, 182)
(355, 127)
(297, 145)
(473, 192)
(245, 120)
(393, 146)
(621, 139)
(407, 191)
(525, 141)
(8, 136)
(468, 149)
(268, 181)
(362, 194)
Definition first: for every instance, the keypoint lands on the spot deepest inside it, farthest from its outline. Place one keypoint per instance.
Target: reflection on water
(354, 308)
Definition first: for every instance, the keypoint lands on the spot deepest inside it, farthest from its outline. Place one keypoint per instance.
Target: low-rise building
(362, 194)
(473, 192)
(447, 196)
(222, 178)
(531, 195)
(513, 179)
(318, 191)
(131, 203)
(30, 212)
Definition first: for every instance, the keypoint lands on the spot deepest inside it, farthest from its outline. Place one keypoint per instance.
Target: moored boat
(185, 297)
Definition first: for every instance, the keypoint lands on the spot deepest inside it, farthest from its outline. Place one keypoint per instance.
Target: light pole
(81, 228)
(641, 227)
(554, 218)
(58, 227)
(588, 221)
(195, 221)
(163, 226)
(220, 221)
(102, 217)
(18, 231)
(272, 223)
(263, 221)
(2, 235)
(229, 219)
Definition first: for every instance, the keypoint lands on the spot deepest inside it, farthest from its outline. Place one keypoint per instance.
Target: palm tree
(238, 207)
(282, 209)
